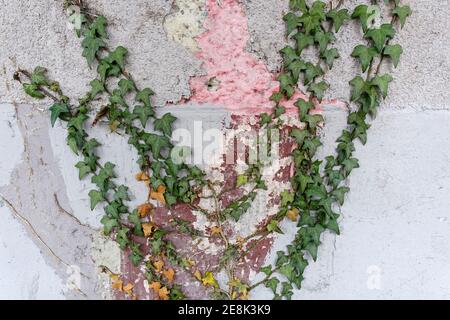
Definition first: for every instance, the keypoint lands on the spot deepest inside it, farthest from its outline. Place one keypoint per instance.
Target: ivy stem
(27, 74)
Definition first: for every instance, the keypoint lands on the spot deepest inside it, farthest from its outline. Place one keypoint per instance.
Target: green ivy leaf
(136, 220)
(380, 35)
(105, 70)
(286, 85)
(299, 135)
(95, 197)
(136, 261)
(382, 82)
(114, 209)
(126, 86)
(117, 98)
(323, 39)
(90, 146)
(38, 76)
(143, 113)
(109, 224)
(303, 41)
(338, 17)
(157, 143)
(303, 107)
(361, 12)
(296, 67)
(394, 51)
(365, 55)
(58, 110)
(97, 87)
(312, 249)
(91, 45)
(286, 197)
(165, 124)
(402, 12)
(348, 165)
(272, 226)
(289, 55)
(303, 181)
(98, 27)
(241, 180)
(289, 272)
(121, 194)
(272, 283)
(279, 111)
(84, 169)
(297, 5)
(265, 119)
(330, 55)
(266, 270)
(311, 72)
(339, 194)
(292, 22)
(33, 91)
(144, 96)
(358, 85)
(287, 290)
(318, 89)
(314, 17)
(276, 97)
(118, 57)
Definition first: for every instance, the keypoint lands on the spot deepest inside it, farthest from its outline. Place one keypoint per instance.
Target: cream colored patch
(186, 22)
(106, 252)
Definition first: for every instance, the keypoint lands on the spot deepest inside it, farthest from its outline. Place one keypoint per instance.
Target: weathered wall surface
(395, 223)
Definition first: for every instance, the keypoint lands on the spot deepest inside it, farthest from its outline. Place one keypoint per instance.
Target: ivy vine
(317, 187)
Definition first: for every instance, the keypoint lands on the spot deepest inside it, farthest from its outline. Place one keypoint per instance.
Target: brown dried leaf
(145, 209)
(159, 194)
(142, 176)
(293, 214)
(158, 265)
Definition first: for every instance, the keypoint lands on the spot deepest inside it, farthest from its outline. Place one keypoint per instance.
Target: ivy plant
(317, 187)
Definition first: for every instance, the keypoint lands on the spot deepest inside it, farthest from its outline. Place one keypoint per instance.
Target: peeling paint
(106, 253)
(185, 22)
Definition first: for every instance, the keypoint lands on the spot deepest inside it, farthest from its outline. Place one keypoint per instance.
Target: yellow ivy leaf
(198, 275)
(142, 176)
(169, 274)
(145, 209)
(293, 214)
(113, 126)
(240, 241)
(163, 293)
(155, 286)
(158, 265)
(117, 284)
(215, 230)
(128, 289)
(209, 280)
(190, 262)
(159, 194)
(148, 229)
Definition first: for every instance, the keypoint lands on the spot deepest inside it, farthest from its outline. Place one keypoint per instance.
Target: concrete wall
(396, 220)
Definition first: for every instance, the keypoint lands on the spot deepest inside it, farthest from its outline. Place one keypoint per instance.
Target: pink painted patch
(245, 83)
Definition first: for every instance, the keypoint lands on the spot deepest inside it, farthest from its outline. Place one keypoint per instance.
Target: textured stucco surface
(395, 226)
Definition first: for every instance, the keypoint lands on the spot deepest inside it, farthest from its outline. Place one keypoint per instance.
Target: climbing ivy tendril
(318, 187)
